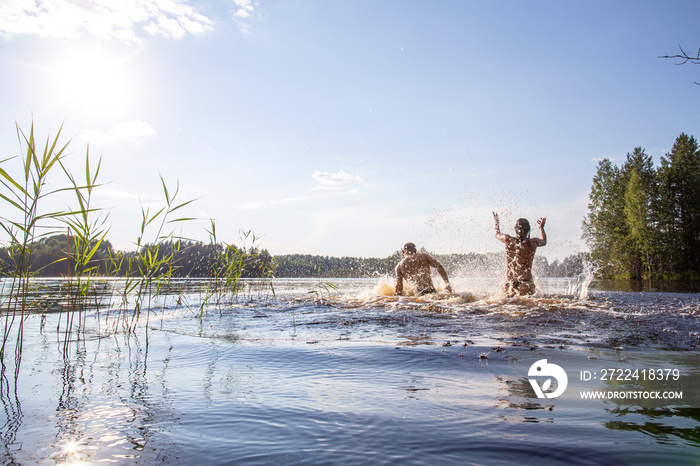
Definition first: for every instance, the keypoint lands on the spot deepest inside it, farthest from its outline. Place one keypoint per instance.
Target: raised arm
(542, 240)
(497, 226)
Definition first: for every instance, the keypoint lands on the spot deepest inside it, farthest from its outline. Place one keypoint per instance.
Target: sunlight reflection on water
(354, 376)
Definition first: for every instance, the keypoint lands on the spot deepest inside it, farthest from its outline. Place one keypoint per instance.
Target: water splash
(578, 286)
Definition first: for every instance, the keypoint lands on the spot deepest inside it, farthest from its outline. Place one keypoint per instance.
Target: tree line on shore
(644, 221)
(466, 265)
(53, 256)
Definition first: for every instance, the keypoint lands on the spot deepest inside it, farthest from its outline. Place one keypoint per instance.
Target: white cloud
(131, 131)
(243, 14)
(335, 180)
(333, 185)
(245, 8)
(125, 19)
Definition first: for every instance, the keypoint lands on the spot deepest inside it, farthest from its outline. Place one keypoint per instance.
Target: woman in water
(520, 252)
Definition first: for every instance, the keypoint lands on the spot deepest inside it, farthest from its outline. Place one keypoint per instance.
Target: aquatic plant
(28, 220)
(75, 238)
(328, 287)
(85, 236)
(225, 270)
(24, 198)
(151, 268)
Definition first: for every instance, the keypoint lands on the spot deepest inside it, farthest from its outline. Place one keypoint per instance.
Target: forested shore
(466, 265)
(54, 256)
(644, 221)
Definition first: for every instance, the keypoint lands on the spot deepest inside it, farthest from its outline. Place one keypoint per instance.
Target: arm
(441, 270)
(542, 241)
(500, 236)
(399, 281)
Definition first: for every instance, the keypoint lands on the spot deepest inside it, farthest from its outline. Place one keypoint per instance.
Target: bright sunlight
(93, 82)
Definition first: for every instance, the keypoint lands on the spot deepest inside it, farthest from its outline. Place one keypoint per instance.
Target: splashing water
(578, 287)
(427, 379)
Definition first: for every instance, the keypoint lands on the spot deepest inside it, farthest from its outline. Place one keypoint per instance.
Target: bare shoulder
(506, 238)
(423, 258)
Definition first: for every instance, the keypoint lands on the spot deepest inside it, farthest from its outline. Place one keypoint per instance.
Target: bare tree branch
(685, 58)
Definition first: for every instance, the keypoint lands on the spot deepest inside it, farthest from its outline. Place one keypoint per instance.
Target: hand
(540, 222)
(495, 218)
(448, 288)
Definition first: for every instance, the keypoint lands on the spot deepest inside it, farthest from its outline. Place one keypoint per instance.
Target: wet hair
(522, 228)
(410, 247)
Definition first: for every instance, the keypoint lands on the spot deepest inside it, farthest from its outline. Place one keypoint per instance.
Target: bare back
(520, 253)
(519, 257)
(416, 268)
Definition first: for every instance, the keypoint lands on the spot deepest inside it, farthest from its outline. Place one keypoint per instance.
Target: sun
(93, 81)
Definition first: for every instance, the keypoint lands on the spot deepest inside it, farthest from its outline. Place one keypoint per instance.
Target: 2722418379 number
(639, 374)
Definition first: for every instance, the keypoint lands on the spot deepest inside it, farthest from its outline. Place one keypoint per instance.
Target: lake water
(317, 375)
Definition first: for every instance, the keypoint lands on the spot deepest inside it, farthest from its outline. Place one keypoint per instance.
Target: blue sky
(349, 128)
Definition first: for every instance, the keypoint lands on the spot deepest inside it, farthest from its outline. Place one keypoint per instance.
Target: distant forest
(644, 221)
(52, 257)
(465, 265)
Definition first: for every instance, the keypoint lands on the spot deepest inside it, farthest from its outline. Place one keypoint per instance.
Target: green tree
(640, 180)
(680, 205)
(620, 226)
(637, 215)
(644, 221)
(605, 226)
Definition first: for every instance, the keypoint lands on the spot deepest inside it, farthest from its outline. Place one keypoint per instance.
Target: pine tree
(605, 228)
(640, 180)
(637, 215)
(643, 221)
(680, 205)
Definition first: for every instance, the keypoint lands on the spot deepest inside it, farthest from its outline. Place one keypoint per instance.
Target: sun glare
(92, 81)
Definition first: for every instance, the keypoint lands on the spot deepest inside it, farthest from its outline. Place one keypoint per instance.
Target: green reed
(24, 197)
(328, 287)
(151, 269)
(228, 266)
(86, 232)
(27, 220)
(147, 272)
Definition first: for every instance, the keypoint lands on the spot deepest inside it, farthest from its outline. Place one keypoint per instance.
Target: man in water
(520, 252)
(415, 267)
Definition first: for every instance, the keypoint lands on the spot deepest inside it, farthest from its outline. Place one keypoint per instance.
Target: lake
(313, 373)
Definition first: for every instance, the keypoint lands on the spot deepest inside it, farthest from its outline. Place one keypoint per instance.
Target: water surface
(316, 375)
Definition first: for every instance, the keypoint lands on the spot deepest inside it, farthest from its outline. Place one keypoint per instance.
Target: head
(522, 228)
(409, 248)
